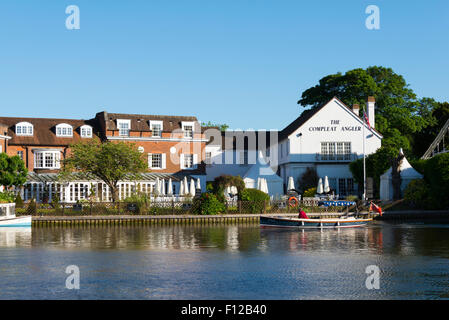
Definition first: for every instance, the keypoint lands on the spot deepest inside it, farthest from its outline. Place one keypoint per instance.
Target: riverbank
(414, 215)
(163, 219)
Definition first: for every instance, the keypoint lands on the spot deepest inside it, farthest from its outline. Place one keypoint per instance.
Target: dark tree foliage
(309, 179)
(12, 171)
(223, 181)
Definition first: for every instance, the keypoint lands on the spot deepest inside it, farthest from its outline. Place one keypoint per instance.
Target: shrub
(223, 181)
(417, 194)
(19, 201)
(6, 197)
(208, 204)
(141, 200)
(310, 193)
(32, 208)
(254, 200)
(436, 173)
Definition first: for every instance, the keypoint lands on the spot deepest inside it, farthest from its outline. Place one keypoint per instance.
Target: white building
(408, 174)
(327, 138)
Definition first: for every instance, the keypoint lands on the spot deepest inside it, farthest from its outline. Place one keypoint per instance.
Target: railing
(166, 208)
(336, 157)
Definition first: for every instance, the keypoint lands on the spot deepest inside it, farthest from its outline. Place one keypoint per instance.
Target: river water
(225, 262)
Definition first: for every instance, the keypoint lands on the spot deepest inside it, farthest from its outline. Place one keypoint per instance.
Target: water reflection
(239, 261)
(15, 237)
(378, 238)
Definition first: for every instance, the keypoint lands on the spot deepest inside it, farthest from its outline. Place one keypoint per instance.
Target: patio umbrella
(259, 184)
(186, 186)
(192, 187)
(319, 188)
(157, 187)
(181, 188)
(326, 185)
(291, 184)
(265, 186)
(198, 184)
(170, 187)
(163, 187)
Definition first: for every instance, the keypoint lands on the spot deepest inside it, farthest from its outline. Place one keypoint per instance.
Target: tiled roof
(140, 122)
(44, 131)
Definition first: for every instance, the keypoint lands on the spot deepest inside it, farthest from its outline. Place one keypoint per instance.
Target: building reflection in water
(15, 237)
(232, 238)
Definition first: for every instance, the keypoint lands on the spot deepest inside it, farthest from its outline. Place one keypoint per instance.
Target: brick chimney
(355, 109)
(371, 111)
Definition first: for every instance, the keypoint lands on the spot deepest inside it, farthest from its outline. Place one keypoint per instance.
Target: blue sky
(244, 63)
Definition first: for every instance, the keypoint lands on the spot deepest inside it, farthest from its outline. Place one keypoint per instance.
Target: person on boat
(302, 214)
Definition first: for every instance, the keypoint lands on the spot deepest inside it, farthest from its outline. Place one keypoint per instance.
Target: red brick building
(174, 146)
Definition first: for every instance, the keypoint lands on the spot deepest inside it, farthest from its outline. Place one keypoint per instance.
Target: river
(237, 261)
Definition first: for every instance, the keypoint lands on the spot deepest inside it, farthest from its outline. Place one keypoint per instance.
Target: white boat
(8, 217)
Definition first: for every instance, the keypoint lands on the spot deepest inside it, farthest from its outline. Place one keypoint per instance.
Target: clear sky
(240, 62)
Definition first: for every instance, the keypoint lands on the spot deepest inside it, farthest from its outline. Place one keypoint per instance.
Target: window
(336, 151)
(86, 131)
(24, 129)
(208, 159)
(188, 161)
(156, 128)
(124, 126)
(156, 160)
(47, 159)
(64, 130)
(20, 154)
(187, 127)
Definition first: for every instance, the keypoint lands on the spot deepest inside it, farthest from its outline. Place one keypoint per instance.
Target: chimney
(371, 106)
(355, 109)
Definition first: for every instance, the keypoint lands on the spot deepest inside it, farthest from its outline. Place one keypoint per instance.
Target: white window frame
(163, 161)
(60, 130)
(29, 129)
(188, 124)
(88, 133)
(156, 122)
(56, 162)
(194, 161)
(124, 121)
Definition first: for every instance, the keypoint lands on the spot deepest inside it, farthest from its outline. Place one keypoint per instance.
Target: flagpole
(364, 164)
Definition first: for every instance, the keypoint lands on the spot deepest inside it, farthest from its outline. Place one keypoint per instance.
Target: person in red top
(302, 214)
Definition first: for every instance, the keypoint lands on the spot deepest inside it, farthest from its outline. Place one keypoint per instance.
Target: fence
(165, 208)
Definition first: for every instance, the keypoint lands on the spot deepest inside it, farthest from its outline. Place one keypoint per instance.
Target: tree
(309, 179)
(209, 124)
(397, 108)
(109, 161)
(12, 171)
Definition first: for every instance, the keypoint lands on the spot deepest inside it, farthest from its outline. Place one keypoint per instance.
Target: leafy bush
(417, 194)
(208, 204)
(141, 200)
(254, 201)
(310, 193)
(351, 198)
(436, 173)
(308, 179)
(223, 181)
(19, 201)
(6, 197)
(32, 208)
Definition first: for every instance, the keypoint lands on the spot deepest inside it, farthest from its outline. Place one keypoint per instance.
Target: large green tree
(398, 111)
(109, 161)
(12, 171)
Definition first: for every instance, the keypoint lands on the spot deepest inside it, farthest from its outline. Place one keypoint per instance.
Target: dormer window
(86, 131)
(64, 130)
(24, 129)
(124, 126)
(156, 127)
(187, 128)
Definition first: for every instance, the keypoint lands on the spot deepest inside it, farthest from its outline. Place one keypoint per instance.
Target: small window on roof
(86, 131)
(64, 130)
(156, 127)
(24, 129)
